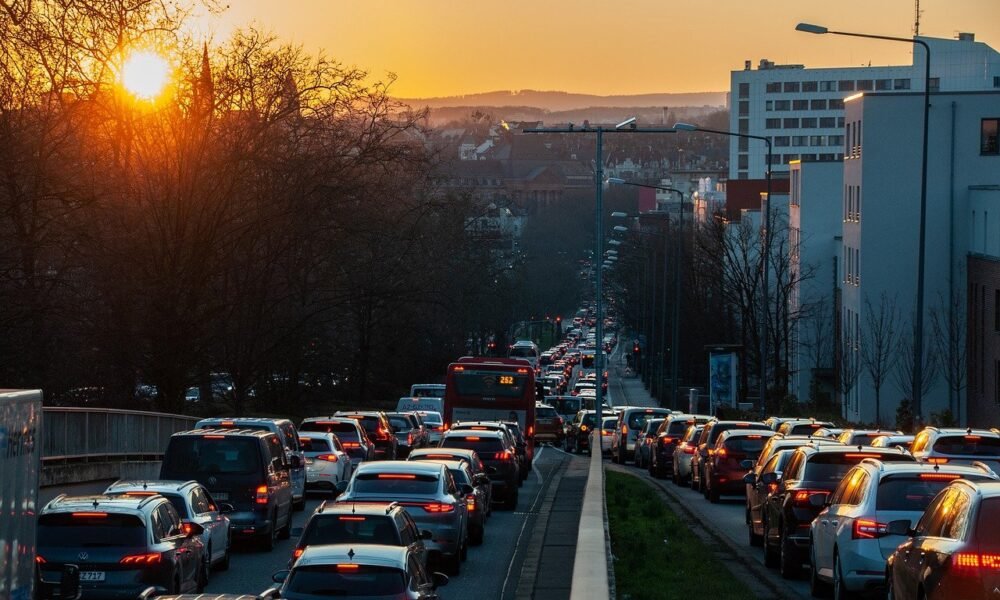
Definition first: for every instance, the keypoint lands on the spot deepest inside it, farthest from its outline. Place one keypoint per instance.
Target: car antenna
(145, 484)
(354, 506)
(95, 502)
(937, 467)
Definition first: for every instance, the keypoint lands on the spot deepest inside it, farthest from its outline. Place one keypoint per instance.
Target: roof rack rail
(390, 506)
(322, 506)
(982, 466)
(873, 462)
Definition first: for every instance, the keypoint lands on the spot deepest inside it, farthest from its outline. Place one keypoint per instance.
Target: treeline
(272, 216)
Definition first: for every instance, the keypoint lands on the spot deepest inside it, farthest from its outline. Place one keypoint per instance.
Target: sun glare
(145, 74)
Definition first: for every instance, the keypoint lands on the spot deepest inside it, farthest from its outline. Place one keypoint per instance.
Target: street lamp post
(918, 326)
(678, 262)
(766, 251)
(626, 126)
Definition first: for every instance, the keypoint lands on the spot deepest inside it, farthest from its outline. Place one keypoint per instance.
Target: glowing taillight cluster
(328, 457)
(151, 558)
(973, 560)
(868, 529)
(261, 496)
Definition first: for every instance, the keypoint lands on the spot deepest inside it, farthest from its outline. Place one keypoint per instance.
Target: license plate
(91, 575)
(220, 495)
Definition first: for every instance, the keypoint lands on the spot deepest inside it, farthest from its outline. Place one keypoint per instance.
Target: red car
(730, 459)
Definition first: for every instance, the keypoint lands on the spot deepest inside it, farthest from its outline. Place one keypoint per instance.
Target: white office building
(802, 110)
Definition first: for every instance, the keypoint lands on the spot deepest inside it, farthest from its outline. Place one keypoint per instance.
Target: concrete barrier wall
(62, 474)
(590, 566)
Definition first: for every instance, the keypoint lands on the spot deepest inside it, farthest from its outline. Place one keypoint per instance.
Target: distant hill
(565, 101)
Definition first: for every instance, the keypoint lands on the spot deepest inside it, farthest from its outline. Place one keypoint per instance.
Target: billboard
(722, 368)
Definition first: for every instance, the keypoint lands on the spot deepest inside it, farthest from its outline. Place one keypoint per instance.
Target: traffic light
(635, 348)
(559, 319)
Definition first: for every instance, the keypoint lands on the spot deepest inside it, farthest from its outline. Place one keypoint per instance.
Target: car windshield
(347, 529)
(913, 492)
(314, 444)
(968, 445)
(96, 530)
(395, 483)
(194, 454)
(349, 580)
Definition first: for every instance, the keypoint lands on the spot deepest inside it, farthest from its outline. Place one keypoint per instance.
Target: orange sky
(450, 47)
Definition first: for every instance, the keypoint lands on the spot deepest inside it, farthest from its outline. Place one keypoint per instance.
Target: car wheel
(788, 566)
(817, 587)
(770, 556)
(840, 591)
(890, 588)
(268, 540)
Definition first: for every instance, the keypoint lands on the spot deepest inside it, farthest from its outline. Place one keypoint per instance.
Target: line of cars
(856, 511)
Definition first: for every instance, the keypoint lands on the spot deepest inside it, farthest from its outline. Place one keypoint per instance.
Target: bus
(492, 389)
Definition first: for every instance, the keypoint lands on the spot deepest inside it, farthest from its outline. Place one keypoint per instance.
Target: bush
(945, 418)
(904, 416)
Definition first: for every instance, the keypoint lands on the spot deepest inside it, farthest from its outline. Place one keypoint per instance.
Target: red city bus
(492, 389)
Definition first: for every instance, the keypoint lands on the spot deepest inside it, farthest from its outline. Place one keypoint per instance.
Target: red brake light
(973, 437)
(939, 476)
(438, 455)
(472, 438)
(351, 444)
(479, 428)
(395, 476)
(328, 457)
(971, 560)
(624, 429)
(298, 552)
(860, 455)
(89, 515)
(214, 437)
(583, 428)
(721, 453)
(150, 558)
(261, 497)
(502, 455)
(458, 368)
(753, 437)
(351, 518)
(431, 507)
(140, 493)
(937, 461)
(868, 529)
(801, 497)
(348, 567)
(522, 370)
(470, 502)
(39, 560)
(227, 424)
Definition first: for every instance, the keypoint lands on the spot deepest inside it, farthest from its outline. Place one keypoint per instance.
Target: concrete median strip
(591, 566)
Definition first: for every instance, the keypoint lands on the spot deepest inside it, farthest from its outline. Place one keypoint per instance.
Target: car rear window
(637, 419)
(546, 413)
(566, 406)
(804, 428)
(314, 445)
(460, 476)
(178, 503)
(589, 419)
(350, 529)
(610, 424)
(431, 418)
(968, 445)
(988, 524)
(395, 483)
(677, 427)
(351, 580)
(370, 424)
(211, 454)
(485, 446)
(914, 492)
(98, 530)
(401, 423)
(331, 427)
(720, 428)
(746, 444)
(863, 438)
(832, 466)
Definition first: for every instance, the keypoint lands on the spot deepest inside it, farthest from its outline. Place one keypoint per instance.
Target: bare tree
(878, 345)
(903, 373)
(849, 366)
(949, 321)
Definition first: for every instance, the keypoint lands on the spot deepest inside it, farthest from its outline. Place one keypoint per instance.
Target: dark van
(246, 468)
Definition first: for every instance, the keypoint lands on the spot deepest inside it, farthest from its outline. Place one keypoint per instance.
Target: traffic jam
(406, 493)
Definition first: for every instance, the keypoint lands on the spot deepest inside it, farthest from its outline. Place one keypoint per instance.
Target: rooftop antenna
(916, 18)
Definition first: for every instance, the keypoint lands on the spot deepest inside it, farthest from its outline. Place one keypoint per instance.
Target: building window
(791, 86)
(934, 84)
(781, 141)
(791, 123)
(828, 86)
(835, 140)
(840, 122)
(800, 140)
(817, 104)
(744, 161)
(812, 86)
(883, 84)
(996, 81)
(865, 85)
(900, 84)
(826, 157)
(744, 125)
(988, 137)
(744, 143)
(828, 122)
(772, 124)
(808, 122)
(836, 104)
(773, 87)
(782, 105)
(800, 105)
(857, 203)
(744, 108)
(788, 158)
(846, 85)
(768, 105)
(744, 90)
(817, 140)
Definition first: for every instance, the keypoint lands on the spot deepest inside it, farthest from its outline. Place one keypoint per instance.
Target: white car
(434, 423)
(327, 463)
(608, 430)
(193, 503)
(850, 539)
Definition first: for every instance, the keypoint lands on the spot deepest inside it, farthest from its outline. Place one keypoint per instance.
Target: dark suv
(243, 467)
(362, 523)
(813, 470)
(122, 545)
(494, 448)
(377, 426)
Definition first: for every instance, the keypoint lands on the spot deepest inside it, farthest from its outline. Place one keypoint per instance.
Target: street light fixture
(615, 242)
(618, 214)
(766, 242)
(918, 326)
(621, 229)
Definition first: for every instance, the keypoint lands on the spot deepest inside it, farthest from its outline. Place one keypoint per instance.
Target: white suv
(849, 538)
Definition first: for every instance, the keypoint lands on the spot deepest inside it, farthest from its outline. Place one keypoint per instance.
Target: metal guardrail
(81, 434)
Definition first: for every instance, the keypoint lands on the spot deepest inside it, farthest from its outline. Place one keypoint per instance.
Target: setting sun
(145, 74)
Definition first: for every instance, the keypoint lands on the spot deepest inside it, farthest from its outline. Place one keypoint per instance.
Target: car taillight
(583, 428)
(504, 455)
(39, 560)
(432, 507)
(298, 552)
(624, 429)
(328, 457)
(801, 497)
(383, 434)
(151, 558)
(351, 444)
(866, 529)
(687, 448)
(409, 439)
(937, 461)
(973, 560)
(721, 453)
(261, 497)
(470, 502)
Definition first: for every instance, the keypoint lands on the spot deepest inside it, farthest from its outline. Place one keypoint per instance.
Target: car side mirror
(467, 489)
(750, 479)
(296, 461)
(746, 464)
(191, 529)
(341, 487)
(426, 534)
(226, 508)
(280, 576)
(439, 580)
(819, 500)
(769, 478)
(899, 527)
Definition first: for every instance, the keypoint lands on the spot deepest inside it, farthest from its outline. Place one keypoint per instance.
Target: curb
(592, 569)
(532, 557)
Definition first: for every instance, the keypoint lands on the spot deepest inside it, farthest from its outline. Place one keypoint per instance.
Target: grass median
(656, 554)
